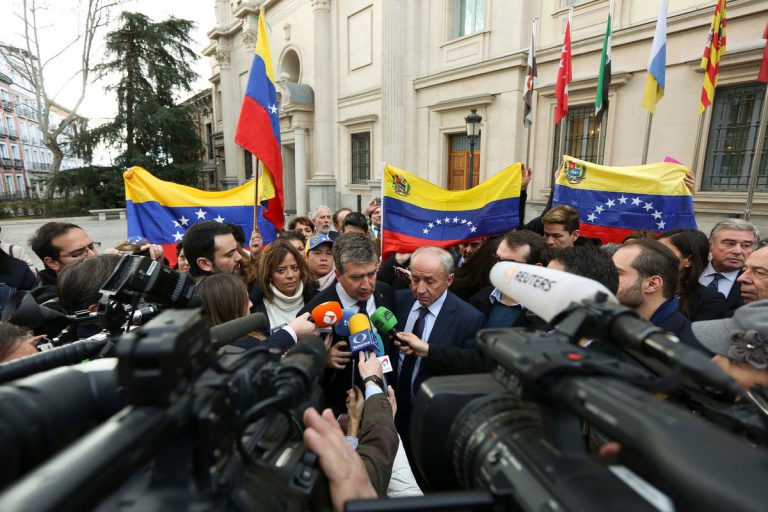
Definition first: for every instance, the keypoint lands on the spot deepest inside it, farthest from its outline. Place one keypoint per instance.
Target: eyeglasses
(79, 253)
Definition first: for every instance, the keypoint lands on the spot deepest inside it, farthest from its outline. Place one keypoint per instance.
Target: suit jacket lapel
(443, 322)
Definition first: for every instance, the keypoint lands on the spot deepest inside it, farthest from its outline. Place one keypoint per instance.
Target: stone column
(300, 167)
(323, 86)
(393, 83)
(229, 114)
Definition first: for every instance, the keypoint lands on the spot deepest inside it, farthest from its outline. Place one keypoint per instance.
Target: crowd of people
(709, 291)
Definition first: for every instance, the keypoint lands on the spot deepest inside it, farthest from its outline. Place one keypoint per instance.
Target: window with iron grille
(732, 139)
(582, 136)
(361, 157)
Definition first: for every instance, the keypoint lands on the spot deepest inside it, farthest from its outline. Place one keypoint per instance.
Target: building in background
(201, 109)
(369, 81)
(20, 112)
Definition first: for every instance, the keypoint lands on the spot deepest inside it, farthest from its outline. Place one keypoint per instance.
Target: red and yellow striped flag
(713, 52)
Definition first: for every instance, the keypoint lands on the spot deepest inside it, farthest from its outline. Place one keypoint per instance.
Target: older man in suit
(428, 314)
(730, 244)
(354, 256)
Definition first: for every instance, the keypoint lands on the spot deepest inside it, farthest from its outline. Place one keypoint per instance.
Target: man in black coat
(430, 318)
(356, 288)
(648, 275)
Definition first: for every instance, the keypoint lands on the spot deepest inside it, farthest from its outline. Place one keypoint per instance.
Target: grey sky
(60, 27)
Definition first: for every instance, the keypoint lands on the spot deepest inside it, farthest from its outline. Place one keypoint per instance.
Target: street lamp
(473, 132)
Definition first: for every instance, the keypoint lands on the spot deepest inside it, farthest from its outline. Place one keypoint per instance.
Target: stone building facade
(370, 81)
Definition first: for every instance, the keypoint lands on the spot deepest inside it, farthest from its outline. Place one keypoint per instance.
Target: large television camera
(199, 429)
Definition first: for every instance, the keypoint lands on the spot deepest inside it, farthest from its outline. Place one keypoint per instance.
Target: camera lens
(481, 426)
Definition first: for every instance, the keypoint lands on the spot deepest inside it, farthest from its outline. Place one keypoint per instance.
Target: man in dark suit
(498, 309)
(430, 318)
(648, 275)
(730, 244)
(356, 288)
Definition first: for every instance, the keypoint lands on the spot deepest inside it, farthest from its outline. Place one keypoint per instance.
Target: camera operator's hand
(347, 477)
(368, 367)
(355, 404)
(409, 343)
(337, 356)
(302, 326)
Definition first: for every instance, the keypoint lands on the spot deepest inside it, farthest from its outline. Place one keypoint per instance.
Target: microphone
(360, 335)
(545, 291)
(327, 314)
(228, 332)
(342, 326)
(385, 322)
(549, 293)
(300, 369)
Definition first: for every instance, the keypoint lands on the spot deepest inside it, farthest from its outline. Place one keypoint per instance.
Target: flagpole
(697, 146)
(256, 196)
(755, 168)
(530, 125)
(648, 123)
(604, 120)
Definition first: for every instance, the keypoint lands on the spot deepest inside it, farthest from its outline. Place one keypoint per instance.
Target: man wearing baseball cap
(319, 252)
(740, 343)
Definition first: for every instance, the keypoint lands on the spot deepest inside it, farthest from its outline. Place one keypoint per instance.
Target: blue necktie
(715, 278)
(405, 379)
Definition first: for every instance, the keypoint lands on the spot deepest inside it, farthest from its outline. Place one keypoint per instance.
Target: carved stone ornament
(321, 4)
(223, 58)
(287, 31)
(249, 39)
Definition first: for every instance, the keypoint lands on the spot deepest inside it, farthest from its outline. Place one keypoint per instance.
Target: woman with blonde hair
(283, 284)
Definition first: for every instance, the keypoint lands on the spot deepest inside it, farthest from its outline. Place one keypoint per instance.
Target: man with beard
(647, 283)
(211, 248)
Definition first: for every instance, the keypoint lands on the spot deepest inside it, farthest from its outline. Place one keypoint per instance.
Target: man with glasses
(499, 309)
(57, 244)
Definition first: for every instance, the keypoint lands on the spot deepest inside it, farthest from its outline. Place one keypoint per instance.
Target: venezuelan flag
(161, 211)
(613, 201)
(418, 213)
(258, 127)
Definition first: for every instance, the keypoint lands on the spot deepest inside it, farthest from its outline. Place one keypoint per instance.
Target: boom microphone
(360, 335)
(327, 314)
(545, 291)
(548, 292)
(233, 330)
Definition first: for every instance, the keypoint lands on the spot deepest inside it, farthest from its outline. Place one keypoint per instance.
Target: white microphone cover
(545, 291)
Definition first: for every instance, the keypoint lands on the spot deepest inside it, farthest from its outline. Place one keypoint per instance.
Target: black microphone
(233, 330)
(300, 369)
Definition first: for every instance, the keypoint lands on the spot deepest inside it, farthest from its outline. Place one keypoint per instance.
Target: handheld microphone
(385, 322)
(360, 335)
(300, 369)
(342, 326)
(326, 315)
(545, 291)
(228, 332)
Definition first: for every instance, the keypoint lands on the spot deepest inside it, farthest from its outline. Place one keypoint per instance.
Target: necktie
(715, 278)
(405, 379)
(362, 307)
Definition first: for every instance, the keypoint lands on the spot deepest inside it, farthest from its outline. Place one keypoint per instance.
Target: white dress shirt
(429, 323)
(725, 283)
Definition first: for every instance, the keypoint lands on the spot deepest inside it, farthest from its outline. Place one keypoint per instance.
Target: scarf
(282, 309)
(326, 281)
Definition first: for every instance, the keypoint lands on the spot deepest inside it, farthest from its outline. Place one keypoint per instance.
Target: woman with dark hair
(303, 224)
(283, 284)
(697, 302)
(225, 298)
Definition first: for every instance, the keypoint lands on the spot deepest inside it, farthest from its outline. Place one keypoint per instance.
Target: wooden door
(458, 169)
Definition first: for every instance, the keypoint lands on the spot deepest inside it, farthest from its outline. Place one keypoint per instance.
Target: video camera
(523, 433)
(197, 430)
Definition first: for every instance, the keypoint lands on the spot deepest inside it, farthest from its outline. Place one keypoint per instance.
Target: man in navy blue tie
(429, 313)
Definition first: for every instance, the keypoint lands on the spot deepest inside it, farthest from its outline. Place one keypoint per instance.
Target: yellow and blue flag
(418, 213)
(258, 127)
(614, 201)
(657, 63)
(161, 211)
